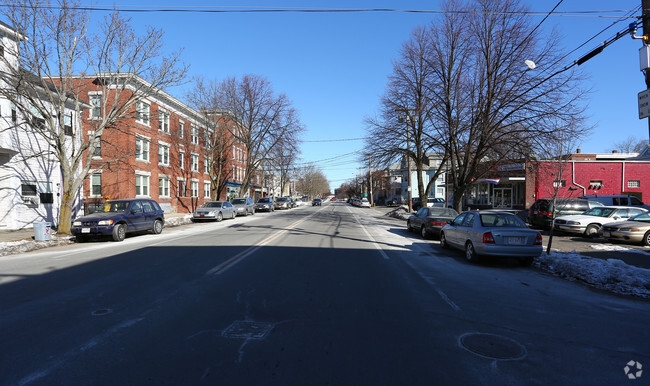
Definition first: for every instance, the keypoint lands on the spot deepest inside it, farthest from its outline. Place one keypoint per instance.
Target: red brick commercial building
(518, 184)
(159, 150)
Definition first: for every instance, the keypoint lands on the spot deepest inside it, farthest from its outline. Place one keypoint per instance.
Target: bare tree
(631, 144)
(220, 135)
(311, 181)
(405, 128)
(284, 155)
(44, 81)
(489, 109)
(264, 120)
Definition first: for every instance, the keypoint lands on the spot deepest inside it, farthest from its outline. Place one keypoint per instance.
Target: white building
(30, 176)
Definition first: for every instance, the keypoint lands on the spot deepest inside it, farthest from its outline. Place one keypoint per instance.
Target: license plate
(85, 230)
(202, 215)
(516, 240)
(606, 234)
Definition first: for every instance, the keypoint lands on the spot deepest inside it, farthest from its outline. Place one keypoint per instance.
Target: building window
(595, 184)
(195, 188)
(141, 185)
(163, 154)
(206, 189)
(96, 109)
(163, 122)
(195, 135)
(141, 149)
(206, 169)
(163, 186)
(28, 188)
(181, 160)
(142, 112)
(67, 124)
(558, 184)
(634, 184)
(181, 188)
(194, 166)
(181, 129)
(96, 184)
(234, 173)
(98, 148)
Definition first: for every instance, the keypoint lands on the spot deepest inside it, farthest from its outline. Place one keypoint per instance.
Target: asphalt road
(314, 295)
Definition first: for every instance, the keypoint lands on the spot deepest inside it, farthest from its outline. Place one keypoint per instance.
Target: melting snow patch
(612, 274)
(399, 213)
(616, 248)
(176, 221)
(13, 247)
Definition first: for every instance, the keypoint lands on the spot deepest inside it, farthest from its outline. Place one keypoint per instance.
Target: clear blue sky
(334, 66)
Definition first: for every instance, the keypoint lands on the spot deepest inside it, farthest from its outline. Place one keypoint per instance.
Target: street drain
(101, 312)
(492, 346)
(244, 329)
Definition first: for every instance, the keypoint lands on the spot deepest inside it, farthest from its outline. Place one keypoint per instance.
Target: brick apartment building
(160, 150)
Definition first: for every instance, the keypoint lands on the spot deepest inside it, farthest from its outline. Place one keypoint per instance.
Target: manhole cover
(100, 312)
(247, 330)
(492, 346)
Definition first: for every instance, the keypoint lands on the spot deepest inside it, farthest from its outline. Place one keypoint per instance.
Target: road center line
(226, 265)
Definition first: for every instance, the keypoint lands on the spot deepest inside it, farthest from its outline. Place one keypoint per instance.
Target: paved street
(314, 295)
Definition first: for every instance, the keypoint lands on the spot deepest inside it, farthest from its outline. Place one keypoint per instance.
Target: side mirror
(451, 222)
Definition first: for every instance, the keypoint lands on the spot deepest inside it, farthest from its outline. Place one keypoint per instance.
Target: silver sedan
(214, 210)
(499, 234)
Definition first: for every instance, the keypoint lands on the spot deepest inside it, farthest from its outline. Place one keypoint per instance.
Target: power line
(334, 140)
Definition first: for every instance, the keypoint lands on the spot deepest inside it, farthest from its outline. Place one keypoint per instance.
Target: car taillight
(546, 213)
(538, 239)
(488, 238)
(438, 223)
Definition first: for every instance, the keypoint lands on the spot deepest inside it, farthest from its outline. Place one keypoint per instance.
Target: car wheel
(443, 240)
(526, 261)
(423, 232)
(592, 230)
(246, 213)
(219, 216)
(233, 215)
(646, 239)
(470, 253)
(409, 227)
(157, 227)
(119, 232)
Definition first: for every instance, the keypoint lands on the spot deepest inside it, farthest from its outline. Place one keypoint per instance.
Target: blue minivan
(116, 218)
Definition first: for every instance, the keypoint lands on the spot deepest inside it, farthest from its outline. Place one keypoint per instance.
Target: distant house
(30, 173)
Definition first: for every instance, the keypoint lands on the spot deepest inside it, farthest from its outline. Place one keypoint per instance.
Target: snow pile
(612, 274)
(176, 220)
(13, 247)
(616, 248)
(400, 212)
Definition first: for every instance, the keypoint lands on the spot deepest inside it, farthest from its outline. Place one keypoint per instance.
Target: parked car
(393, 202)
(333, 199)
(498, 234)
(589, 222)
(266, 204)
(215, 211)
(541, 212)
(116, 218)
(364, 203)
(316, 202)
(243, 206)
(635, 230)
(283, 203)
(617, 200)
(300, 202)
(436, 201)
(429, 221)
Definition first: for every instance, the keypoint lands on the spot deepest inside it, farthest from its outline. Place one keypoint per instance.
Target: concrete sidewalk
(28, 233)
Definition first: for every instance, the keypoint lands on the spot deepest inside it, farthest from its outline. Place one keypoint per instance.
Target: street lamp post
(408, 156)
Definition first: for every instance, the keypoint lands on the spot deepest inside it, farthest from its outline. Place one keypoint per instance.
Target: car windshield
(282, 199)
(212, 204)
(443, 212)
(643, 217)
(239, 201)
(115, 207)
(263, 200)
(599, 212)
(501, 220)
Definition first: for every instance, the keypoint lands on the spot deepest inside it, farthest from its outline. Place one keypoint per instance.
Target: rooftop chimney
(614, 151)
(578, 151)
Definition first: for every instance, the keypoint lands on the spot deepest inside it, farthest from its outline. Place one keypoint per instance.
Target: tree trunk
(65, 211)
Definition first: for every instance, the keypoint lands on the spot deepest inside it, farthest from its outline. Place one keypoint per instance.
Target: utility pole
(408, 161)
(370, 179)
(645, 13)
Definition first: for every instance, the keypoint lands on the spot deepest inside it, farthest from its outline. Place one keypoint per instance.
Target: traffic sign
(644, 104)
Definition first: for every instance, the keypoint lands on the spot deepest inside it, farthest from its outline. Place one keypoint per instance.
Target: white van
(617, 200)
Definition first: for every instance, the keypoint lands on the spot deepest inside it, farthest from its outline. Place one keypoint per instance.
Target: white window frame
(181, 159)
(142, 112)
(207, 190)
(95, 112)
(194, 162)
(144, 145)
(164, 189)
(194, 132)
(164, 149)
(180, 182)
(634, 183)
(141, 189)
(205, 165)
(92, 174)
(181, 129)
(163, 121)
(194, 188)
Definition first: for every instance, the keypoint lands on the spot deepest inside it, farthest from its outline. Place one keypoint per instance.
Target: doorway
(503, 198)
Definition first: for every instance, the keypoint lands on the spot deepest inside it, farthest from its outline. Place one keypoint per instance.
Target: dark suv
(116, 218)
(540, 213)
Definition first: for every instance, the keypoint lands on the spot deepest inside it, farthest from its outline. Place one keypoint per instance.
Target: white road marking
(372, 239)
